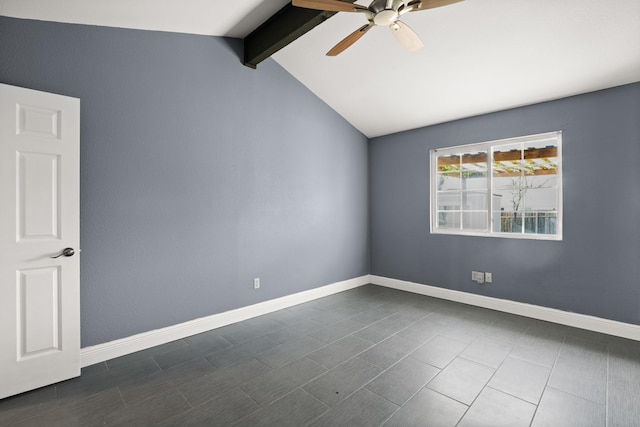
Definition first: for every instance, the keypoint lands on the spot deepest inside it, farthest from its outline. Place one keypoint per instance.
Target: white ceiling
(479, 55)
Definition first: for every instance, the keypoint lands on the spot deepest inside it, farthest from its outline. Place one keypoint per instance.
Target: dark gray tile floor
(366, 357)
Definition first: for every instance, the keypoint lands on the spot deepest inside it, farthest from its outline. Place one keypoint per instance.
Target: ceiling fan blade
(349, 40)
(328, 5)
(406, 36)
(429, 4)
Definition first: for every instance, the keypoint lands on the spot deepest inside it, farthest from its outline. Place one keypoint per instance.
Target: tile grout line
(486, 385)
(546, 384)
(408, 355)
(305, 356)
(355, 356)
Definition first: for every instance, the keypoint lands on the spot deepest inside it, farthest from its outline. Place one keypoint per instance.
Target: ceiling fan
(379, 12)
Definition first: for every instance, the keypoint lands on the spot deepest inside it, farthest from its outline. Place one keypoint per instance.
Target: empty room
(320, 213)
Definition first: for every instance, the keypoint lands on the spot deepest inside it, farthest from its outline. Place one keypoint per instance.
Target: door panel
(38, 189)
(37, 121)
(39, 217)
(38, 311)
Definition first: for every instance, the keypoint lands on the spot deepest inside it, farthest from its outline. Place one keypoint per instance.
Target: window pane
(448, 161)
(542, 181)
(507, 222)
(449, 181)
(474, 200)
(512, 197)
(542, 199)
(477, 181)
(541, 222)
(474, 220)
(541, 158)
(507, 163)
(474, 170)
(448, 219)
(496, 221)
(449, 172)
(449, 201)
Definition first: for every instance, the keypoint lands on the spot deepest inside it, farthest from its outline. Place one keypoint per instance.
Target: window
(505, 188)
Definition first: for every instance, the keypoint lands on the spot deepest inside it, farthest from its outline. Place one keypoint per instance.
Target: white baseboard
(582, 321)
(101, 352)
(121, 347)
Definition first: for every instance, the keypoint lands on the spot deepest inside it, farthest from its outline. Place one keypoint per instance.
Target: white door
(39, 218)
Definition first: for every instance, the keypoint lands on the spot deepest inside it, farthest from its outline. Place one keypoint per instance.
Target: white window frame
(488, 146)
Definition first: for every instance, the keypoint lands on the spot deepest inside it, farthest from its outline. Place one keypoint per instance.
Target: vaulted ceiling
(479, 56)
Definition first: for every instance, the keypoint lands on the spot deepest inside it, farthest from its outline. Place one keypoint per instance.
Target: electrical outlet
(488, 277)
(477, 276)
(256, 283)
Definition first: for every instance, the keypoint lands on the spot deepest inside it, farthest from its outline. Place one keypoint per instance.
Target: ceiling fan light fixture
(385, 17)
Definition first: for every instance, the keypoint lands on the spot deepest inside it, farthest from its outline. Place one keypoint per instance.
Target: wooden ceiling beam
(279, 30)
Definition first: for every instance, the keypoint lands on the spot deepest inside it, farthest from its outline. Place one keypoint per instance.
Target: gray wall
(595, 269)
(197, 174)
